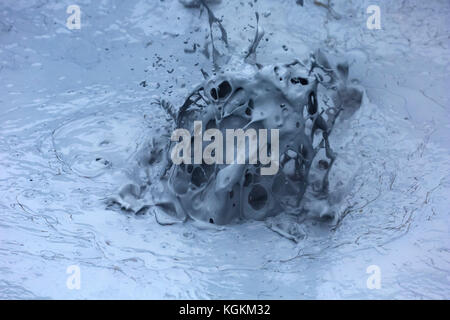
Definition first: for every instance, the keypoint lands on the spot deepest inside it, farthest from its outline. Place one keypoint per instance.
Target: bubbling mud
(302, 99)
(281, 96)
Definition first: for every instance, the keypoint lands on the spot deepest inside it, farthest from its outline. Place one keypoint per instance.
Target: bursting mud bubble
(284, 97)
(302, 99)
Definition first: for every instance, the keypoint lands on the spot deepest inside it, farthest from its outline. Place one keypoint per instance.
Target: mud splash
(302, 99)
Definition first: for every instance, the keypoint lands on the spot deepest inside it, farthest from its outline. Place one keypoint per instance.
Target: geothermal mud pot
(302, 99)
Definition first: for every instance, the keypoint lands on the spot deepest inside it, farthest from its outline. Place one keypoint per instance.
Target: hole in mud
(213, 93)
(312, 103)
(300, 80)
(224, 89)
(323, 164)
(257, 198)
(198, 177)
